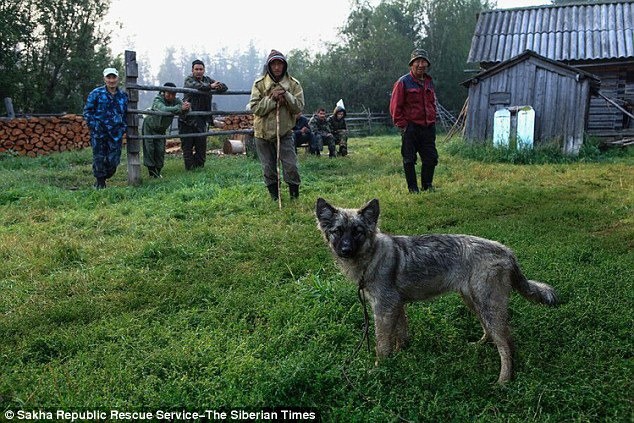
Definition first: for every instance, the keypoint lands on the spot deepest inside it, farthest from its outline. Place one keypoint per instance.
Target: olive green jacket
(265, 109)
(157, 125)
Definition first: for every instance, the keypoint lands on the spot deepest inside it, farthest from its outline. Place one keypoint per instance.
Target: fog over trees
(52, 53)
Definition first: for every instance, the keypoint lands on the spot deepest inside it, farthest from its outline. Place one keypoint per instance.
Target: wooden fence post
(132, 120)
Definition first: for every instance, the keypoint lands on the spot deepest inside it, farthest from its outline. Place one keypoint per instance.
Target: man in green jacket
(276, 98)
(154, 149)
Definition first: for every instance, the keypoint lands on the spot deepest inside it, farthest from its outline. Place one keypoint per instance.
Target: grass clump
(549, 153)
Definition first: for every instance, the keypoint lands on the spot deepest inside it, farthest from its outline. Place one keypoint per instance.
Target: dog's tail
(535, 291)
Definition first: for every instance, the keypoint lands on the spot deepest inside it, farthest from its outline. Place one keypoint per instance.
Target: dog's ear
(324, 211)
(370, 212)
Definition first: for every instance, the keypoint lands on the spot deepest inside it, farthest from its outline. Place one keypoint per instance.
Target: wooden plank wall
(617, 83)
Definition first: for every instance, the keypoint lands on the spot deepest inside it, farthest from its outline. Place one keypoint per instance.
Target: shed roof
(571, 32)
(594, 80)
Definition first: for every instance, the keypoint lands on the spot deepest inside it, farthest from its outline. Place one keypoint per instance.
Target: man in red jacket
(413, 110)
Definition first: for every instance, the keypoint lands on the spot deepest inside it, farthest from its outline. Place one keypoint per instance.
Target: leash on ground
(279, 155)
(365, 336)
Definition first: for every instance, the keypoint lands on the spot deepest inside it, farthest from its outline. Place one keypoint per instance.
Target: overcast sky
(150, 26)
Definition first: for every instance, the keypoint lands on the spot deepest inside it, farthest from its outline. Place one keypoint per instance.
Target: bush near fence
(36, 136)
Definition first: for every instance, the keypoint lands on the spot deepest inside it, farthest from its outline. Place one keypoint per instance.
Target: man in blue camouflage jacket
(104, 113)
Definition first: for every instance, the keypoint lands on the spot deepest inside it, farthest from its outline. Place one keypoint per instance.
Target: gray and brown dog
(395, 270)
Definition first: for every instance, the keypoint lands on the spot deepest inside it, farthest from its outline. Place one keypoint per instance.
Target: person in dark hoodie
(276, 98)
(302, 133)
(195, 148)
(339, 129)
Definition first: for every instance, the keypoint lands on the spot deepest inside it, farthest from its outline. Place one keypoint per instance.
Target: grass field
(194, 292)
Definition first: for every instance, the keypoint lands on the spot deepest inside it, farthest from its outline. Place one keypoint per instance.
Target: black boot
(427, 177)
(410, 177)
(343, 151)
(151, 170)
(101, 183)
(274, 191)
(293, 191)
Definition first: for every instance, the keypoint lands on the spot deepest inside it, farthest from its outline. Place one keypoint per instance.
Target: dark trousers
(106, 156)
(419, 140)
(267, 152)
(194, 148)
(301, 139)
(322, 139)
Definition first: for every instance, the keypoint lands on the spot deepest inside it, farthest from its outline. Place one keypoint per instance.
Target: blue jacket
(105, 113)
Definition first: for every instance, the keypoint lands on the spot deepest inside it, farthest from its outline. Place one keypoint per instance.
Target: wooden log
(233, 147)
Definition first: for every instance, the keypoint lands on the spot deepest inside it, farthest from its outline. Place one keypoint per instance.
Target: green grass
(196, 292)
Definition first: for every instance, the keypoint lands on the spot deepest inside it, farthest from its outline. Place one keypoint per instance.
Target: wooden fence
(132, 118)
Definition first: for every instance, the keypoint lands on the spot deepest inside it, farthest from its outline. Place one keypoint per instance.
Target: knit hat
(275, 55)
(168, 84)
(419, 53)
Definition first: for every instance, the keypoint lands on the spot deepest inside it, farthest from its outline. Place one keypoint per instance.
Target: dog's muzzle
(345, 248)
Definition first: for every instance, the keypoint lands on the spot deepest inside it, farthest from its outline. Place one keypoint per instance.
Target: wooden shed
(559, 94)
(594, 37)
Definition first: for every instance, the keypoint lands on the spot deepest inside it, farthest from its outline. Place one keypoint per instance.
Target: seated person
(322, 134)
(339, 129)
(301, 132)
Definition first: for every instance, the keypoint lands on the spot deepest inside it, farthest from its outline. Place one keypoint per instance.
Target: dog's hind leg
(505, 349)
(496, 327)
(485, 336)
(490, 300)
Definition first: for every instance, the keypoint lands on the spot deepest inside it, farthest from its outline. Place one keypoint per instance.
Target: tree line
(373, 51)
(52, 53)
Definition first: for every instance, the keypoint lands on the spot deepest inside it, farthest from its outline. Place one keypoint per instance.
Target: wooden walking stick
(277, 122)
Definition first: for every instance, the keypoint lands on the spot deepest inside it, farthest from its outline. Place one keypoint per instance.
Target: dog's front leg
(385, 324)
(401, 331)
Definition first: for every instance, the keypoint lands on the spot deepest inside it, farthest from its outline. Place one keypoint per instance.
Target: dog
(392, 271)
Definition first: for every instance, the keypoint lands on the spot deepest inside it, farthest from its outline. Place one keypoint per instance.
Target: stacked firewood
(36, 136)
(233, 122)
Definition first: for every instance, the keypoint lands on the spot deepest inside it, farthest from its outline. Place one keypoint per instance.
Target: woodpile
(233, 122)
(37, 136)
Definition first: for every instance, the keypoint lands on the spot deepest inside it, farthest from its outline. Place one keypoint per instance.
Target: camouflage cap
(419, 53)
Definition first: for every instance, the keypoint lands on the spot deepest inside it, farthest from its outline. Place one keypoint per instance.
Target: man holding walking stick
(276, 98)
